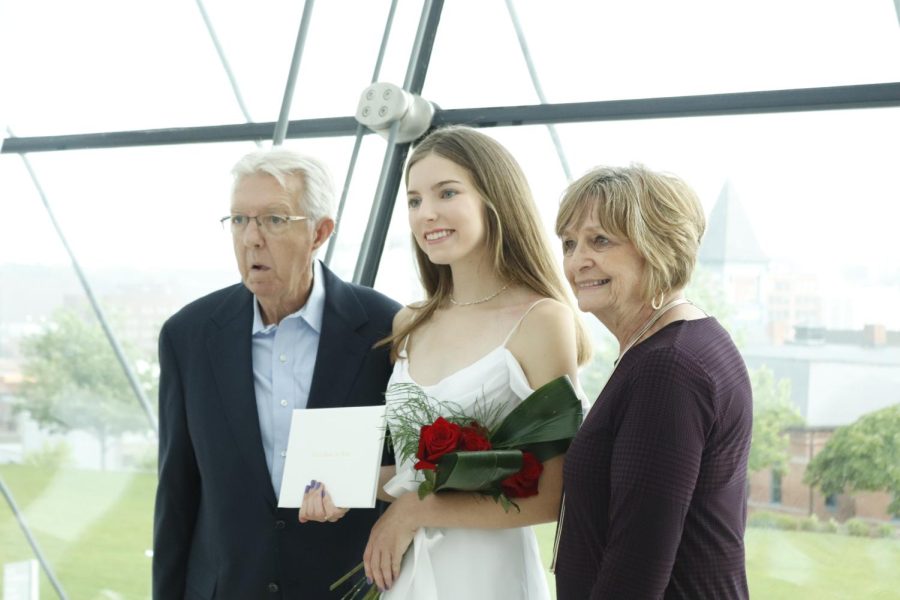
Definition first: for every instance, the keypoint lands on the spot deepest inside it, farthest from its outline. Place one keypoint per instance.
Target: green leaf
(552, 413)
(425, 488)
(546, 450)
(506, 503)
(476, 471)
(429, 476)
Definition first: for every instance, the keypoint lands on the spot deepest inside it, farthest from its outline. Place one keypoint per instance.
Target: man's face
(275, 267)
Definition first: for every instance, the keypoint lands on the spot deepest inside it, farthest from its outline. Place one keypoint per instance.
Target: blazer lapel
(341, 349)
(229, 346)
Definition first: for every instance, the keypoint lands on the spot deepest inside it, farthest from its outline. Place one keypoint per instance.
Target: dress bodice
(496, 381)
(498, 563)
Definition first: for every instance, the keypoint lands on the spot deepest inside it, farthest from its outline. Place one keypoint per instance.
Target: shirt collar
(312, 312)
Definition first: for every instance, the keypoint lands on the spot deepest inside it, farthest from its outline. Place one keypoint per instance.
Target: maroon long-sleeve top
(656, 478)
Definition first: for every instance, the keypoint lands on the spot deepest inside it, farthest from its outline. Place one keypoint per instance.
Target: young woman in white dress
(496, 324)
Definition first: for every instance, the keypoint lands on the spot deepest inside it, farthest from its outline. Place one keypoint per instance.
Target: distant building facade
(789, 494)
(837, 377)
(10, 422)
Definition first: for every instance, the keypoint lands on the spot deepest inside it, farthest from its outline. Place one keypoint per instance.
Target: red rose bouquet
(499, 457)
(444, 437)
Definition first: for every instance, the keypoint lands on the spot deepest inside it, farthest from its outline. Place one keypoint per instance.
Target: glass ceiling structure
(121, 122)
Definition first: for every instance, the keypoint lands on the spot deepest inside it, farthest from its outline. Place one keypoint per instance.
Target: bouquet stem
(371, 593)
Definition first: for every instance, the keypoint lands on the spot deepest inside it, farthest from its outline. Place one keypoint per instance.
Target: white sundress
(475, 564)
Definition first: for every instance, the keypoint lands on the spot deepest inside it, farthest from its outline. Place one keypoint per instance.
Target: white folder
(341, 447)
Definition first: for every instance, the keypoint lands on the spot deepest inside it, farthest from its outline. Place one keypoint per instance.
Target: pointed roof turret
(729, 238)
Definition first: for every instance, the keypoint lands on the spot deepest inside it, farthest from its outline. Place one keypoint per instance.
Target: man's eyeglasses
(273, 224)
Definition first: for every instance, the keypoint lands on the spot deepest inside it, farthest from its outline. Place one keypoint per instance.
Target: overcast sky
(819, 188)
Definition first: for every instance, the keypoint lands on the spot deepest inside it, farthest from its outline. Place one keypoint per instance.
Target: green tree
(863, 456)
(773, 414)
(606, 349)
(706, 292)
(73, 381)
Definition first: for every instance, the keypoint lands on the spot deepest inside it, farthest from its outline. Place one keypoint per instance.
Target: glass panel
(343, 38)
(111, 67)
(798, 208)
(589, 51)
(153, 65)
(355, 219)
(810, 194)
(143, 224)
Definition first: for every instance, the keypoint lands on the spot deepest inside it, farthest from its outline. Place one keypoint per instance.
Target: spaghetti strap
(404, 343)
(401, 351)
(522, 318)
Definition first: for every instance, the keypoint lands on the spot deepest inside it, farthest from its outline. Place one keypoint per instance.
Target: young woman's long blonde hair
(516, 241)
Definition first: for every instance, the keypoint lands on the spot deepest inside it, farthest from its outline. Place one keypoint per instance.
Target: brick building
(836, 377)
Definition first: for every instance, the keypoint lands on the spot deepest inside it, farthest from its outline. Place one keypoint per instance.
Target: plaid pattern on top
(656, 479)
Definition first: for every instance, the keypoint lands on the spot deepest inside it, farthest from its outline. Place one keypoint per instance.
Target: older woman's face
(605, 271)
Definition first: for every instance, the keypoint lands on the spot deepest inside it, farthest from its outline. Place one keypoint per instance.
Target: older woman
(655, 480)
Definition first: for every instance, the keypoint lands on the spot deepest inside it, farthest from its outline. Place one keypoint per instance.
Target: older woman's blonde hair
(657, 212)
(516, 240)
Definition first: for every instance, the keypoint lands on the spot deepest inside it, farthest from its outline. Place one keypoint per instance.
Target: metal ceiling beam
(538, 88)
(212, 134)
(360, 132)
(282, 125)
(223, 60)
(876, 95)
(880, 95)
(395, 155)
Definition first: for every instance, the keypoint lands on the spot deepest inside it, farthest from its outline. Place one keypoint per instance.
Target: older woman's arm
(660, 435)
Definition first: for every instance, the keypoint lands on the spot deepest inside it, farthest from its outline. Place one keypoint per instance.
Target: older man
(234, 364)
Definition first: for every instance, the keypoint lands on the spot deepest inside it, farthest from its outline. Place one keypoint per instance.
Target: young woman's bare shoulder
(545, 344)
(548, 313)
(550, 324)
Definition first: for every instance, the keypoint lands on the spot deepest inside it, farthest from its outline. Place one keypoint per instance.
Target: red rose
(436, 440)
(472, 438)
(422, 463)
(524, 483)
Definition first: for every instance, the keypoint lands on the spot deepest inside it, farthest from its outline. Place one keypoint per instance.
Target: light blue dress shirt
(284, 356)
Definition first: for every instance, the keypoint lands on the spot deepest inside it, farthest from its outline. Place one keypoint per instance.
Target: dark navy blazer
(217, 531)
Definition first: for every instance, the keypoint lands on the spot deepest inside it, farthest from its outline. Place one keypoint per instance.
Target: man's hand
(317, 505)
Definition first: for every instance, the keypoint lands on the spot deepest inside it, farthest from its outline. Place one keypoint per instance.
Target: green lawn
(95, 528)
(799, 565)
(796, 565)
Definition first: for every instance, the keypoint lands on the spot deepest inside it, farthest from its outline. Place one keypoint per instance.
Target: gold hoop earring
(658, 305)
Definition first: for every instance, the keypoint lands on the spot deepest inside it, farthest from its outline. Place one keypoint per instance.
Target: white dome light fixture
(382, 104)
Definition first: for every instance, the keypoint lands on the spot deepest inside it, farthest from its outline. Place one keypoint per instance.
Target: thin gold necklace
(485, 299)
(657, 314)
